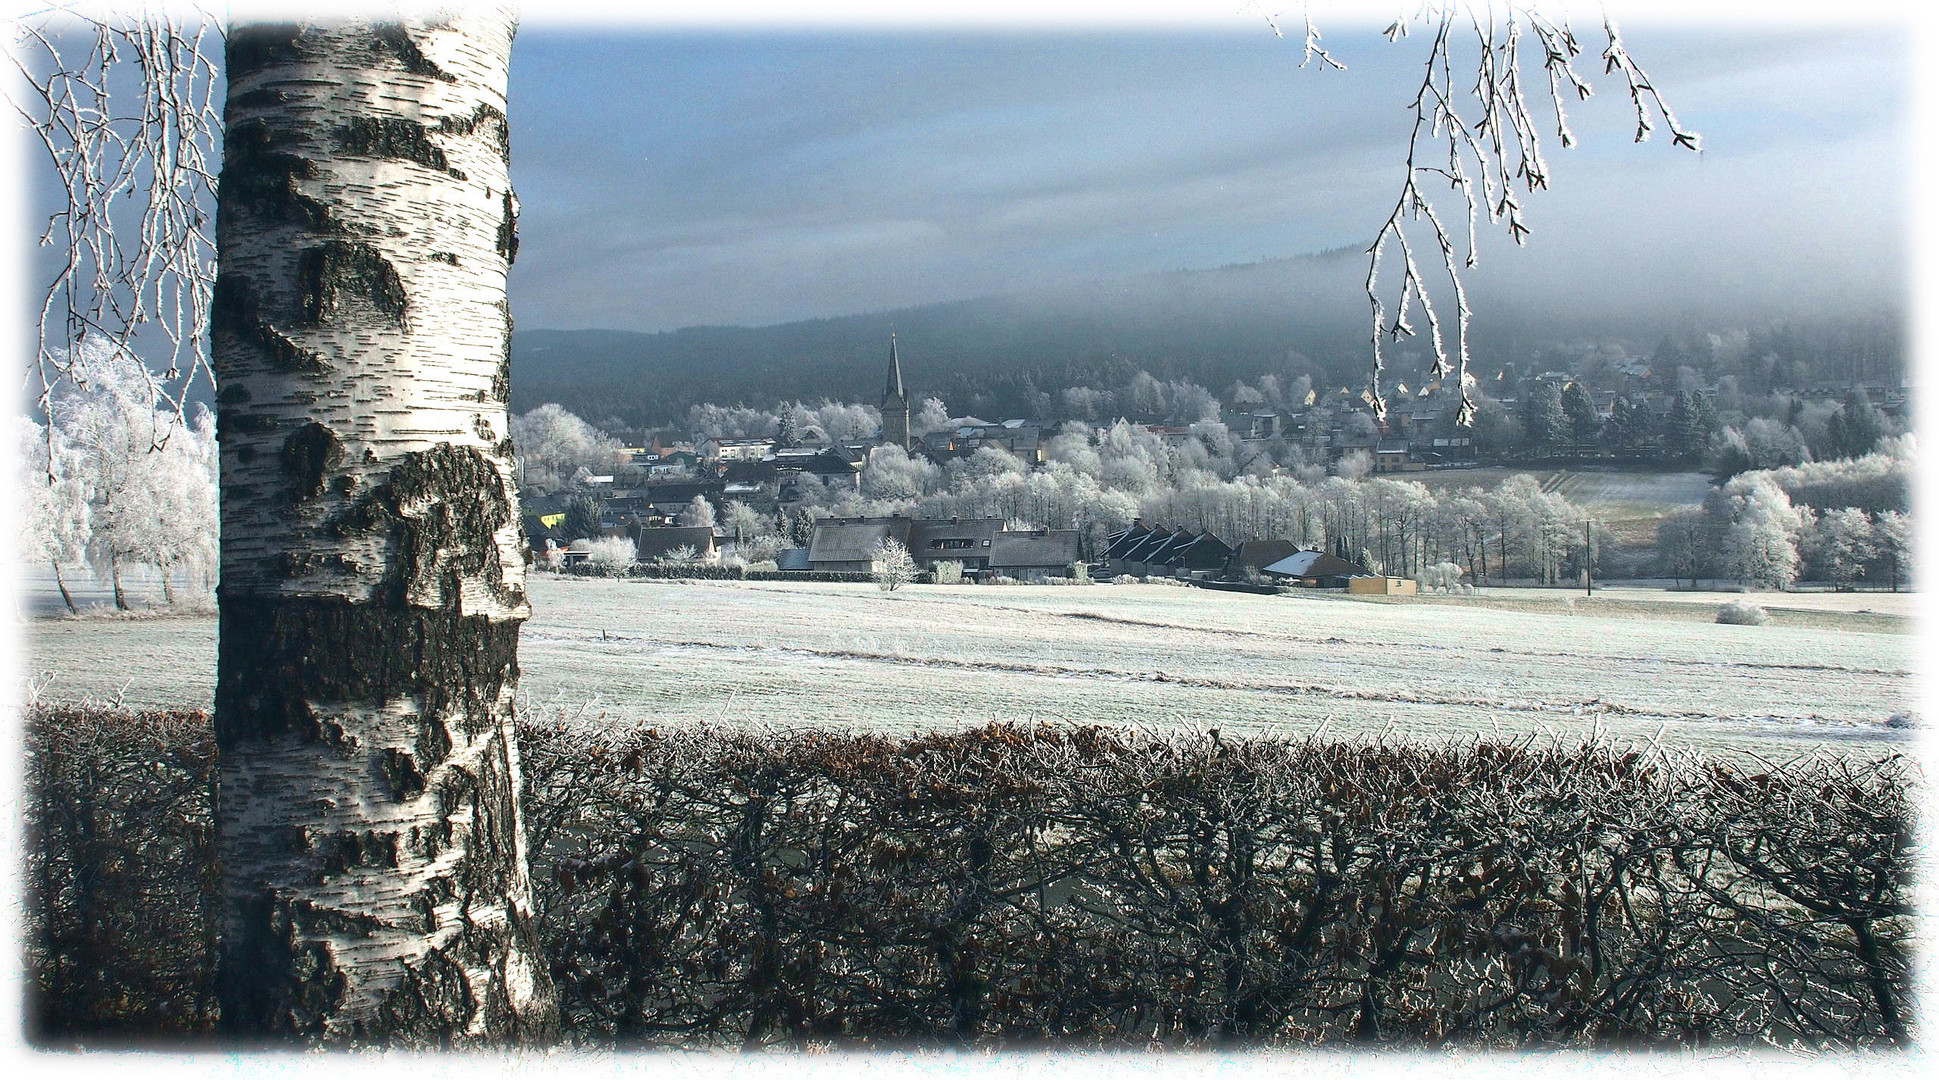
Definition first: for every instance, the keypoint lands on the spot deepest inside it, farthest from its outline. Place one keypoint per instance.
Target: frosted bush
(763, 566)
(1742, 613)
(1126, 579)
(611, 551)
(947, 572)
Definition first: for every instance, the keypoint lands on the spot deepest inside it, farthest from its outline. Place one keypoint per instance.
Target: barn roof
(1055, 547)
(852, 539)
(1306, 564)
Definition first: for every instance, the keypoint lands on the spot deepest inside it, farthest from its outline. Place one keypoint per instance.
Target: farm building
(1256, 555)
(1035, 555)
(651, 544)
(1315, 569)
(1118, 543)
(844, 545)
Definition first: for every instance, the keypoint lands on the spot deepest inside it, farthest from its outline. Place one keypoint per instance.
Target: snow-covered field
(925, 657)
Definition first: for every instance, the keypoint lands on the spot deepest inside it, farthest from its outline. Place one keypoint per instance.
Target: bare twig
(1482, 141)
(124, 105)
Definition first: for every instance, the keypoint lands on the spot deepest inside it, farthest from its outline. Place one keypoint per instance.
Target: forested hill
(988, 356)
(1214, 325)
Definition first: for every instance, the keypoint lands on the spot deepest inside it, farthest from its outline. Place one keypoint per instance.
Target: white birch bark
(373, 859)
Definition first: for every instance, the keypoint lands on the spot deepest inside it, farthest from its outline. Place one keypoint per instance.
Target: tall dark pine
(374, 878)
(895, 402)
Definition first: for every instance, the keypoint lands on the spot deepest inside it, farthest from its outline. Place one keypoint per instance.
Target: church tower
(895, 402)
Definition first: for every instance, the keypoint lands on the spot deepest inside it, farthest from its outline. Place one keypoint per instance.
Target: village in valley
(797, 501)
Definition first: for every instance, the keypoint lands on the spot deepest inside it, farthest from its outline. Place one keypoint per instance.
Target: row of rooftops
(1181, 550)
(977, 543)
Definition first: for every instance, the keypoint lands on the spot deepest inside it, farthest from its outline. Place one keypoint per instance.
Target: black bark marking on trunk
(401, 773)
(303, 987)
(310, 454)
(508, 230)
(431, 1007)
(433, 743)
(435, 892)
(251, 48)
(232, 394)
(236, 325)
(263, 97)
(230, 422)
(260, 177)
(349, 850)
(446, 257)
(280, 653)
(501, 380)
(488, 119)
(394, 139)
(449, 501)
(317, 921)
(338, 270)
(290, 565)
(393, 40)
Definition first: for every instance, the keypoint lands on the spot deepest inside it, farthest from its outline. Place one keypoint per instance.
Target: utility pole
(1588, 563)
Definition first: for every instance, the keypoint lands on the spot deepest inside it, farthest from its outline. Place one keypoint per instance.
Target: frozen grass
(929, 657)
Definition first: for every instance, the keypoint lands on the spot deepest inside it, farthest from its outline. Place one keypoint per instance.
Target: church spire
(895, 402)
(895, 374)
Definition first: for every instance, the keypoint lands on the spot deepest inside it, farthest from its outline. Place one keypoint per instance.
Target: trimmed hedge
(1009, 886)
(712, 572)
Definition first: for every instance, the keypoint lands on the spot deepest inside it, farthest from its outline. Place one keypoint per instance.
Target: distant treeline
(1005, 356)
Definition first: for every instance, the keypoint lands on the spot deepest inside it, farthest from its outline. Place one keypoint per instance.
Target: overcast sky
(677, 177)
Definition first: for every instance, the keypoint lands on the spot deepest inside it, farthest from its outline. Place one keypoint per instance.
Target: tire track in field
(1589, 707)
(1456, 650)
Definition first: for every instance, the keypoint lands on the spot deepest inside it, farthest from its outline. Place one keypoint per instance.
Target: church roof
(894, 389)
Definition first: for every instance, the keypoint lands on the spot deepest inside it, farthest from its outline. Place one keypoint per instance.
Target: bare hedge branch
(1026, 886)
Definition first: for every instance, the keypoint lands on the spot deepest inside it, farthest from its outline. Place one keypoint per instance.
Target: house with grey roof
(1034, 555)
(1315, 569)
(651, 544)
(848, 545)
(1256, 555)
(980, 545)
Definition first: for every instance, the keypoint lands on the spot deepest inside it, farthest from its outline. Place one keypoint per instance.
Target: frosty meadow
(447, 767)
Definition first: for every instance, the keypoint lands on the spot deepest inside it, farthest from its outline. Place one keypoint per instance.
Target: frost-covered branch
(1483, 140)
(124, 106)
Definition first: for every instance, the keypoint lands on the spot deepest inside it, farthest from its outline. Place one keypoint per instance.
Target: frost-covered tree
(894, 566)
(893, 475)
(1846, 543)
(1442, 575)
(52, 528)
(1763, 443)
(682, 555)
(930, 417)
(1760, 539)
(1685, 544)
(742, 521)
(698, 513)
(174, 519)
(553, 444)
(1544, 423)
(610, 552)
(1892, 536)
(110, 421)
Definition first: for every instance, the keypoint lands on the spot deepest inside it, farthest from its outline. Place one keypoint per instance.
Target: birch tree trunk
(375, 887)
